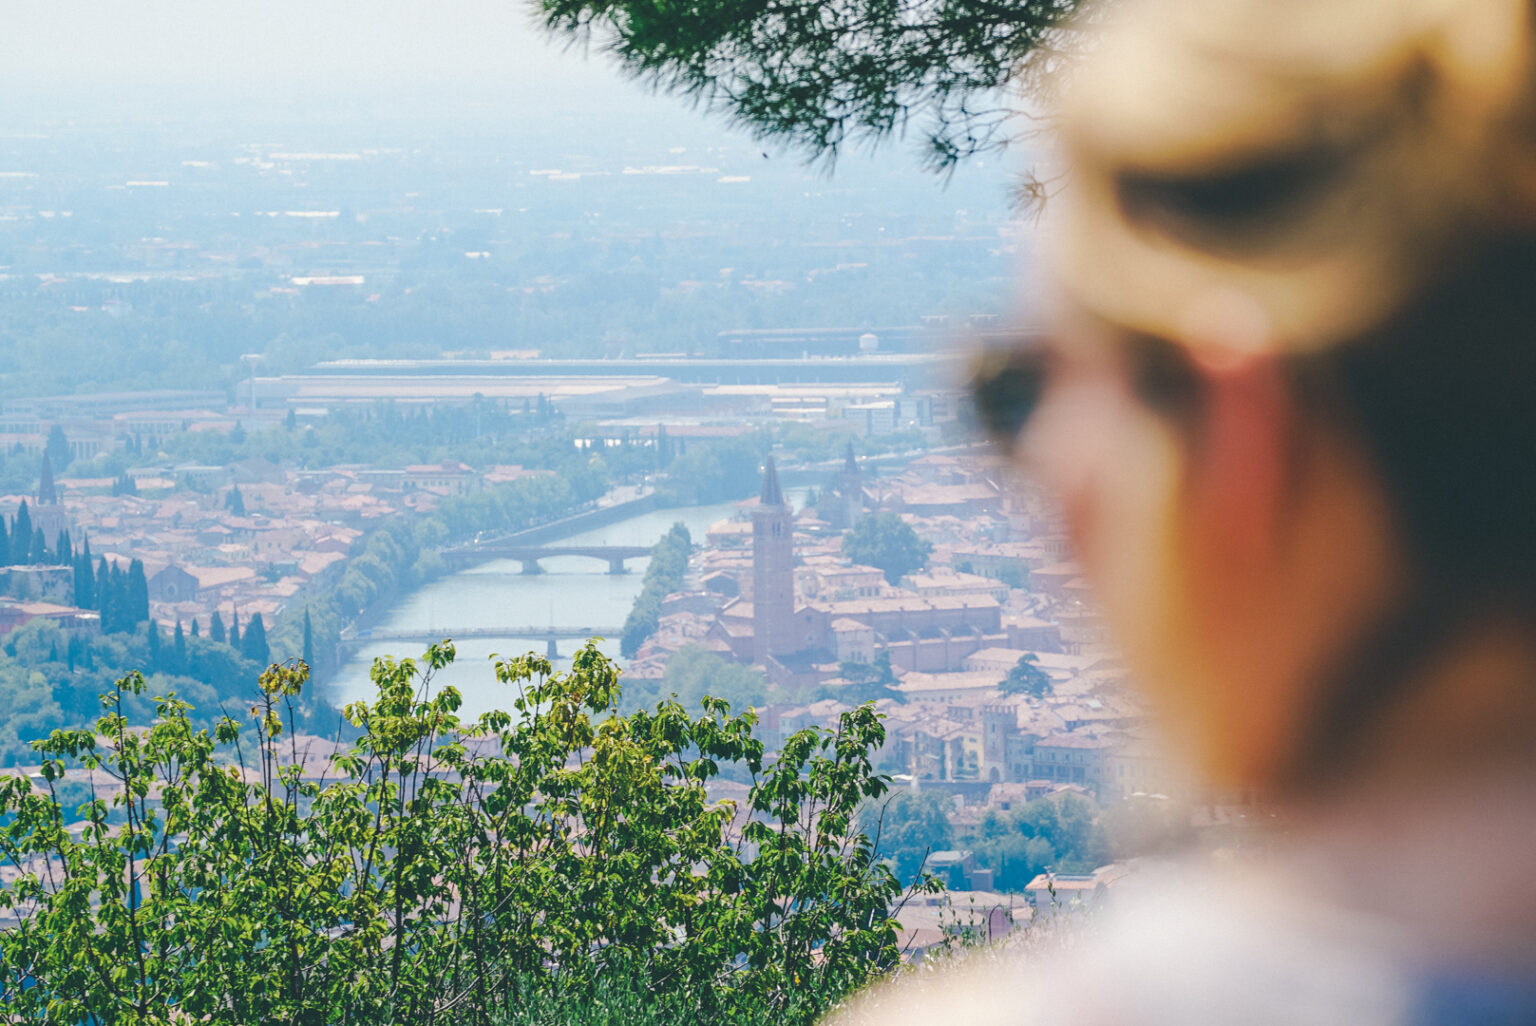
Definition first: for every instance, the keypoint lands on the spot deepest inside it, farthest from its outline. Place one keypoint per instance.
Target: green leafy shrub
(440, 871)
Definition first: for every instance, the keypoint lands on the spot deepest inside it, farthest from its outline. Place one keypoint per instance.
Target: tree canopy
(887, 542)
(694, 672)
(443, 871)
(1026, 678)
(908, 827)
(821, 74)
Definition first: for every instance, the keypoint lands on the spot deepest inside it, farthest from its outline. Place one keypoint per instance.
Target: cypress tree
(179, 653)
(254, 644)
(21, 535)
(55, 454)
(235, 502)
(114, 602)
(309, 641)
(153, 630)
(40, 553)
(138, 593)
(85, 582)
(103, 588)
(195, 632)
(216, 630)
(64, 550)
(5, 544)
(234, 628)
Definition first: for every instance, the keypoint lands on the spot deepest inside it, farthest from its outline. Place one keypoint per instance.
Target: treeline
(481, 433)
(402, 552)
(437, 871)
(23, 544)
(1059, 832)
(1063, 833)
(720, 472)
(50, 677)
(664, 575)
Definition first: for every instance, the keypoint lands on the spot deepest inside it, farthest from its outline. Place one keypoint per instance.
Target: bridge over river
(529, 555)
(428, 636)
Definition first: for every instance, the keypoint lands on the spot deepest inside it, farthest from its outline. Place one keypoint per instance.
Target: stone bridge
(529, 555)
(428, 636)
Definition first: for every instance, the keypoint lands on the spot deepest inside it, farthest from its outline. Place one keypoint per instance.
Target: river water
(573, 591)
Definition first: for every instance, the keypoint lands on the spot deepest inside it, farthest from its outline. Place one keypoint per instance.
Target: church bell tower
(773, 571)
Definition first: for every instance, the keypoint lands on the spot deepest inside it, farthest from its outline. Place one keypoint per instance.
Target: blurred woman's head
(1289, 398)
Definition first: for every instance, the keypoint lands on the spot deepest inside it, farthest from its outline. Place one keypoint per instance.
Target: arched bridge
(529, 555)
(548, 635)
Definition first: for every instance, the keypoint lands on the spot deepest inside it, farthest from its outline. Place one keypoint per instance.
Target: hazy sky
(257, 48)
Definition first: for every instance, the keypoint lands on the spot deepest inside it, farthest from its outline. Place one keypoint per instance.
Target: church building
(799, 643)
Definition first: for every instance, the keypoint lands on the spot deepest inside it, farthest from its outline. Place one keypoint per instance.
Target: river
(573, 591)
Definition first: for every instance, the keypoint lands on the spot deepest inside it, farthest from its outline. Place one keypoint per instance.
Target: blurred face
(1114, 467)
(1232, 551)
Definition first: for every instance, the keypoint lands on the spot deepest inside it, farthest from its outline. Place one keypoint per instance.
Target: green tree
(429, 882)
(56, 456)
(137, 594)
(253, 643)
(1026, 678)
(308, 654)
(85, 578)
(663, 576)
(869, 681)
(156, 660)
(235, 502)
(179, 650)
(1015, 858)
(694, 672)
(21, 535)
(888, 543)
(104, 586)
(216, 631)
(32, 643)
(1061, 832)
(908, 827)
(718, 473)
(824, 74)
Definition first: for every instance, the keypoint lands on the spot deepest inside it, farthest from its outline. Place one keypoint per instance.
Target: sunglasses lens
(1006, 390)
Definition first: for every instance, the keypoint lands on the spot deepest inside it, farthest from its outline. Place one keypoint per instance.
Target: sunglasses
(1006, 383)
(1008, 380)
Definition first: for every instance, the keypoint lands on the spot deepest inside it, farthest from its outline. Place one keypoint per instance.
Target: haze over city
(487, 538)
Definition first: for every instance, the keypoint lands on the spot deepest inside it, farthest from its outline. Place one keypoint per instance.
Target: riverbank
(572, 592)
